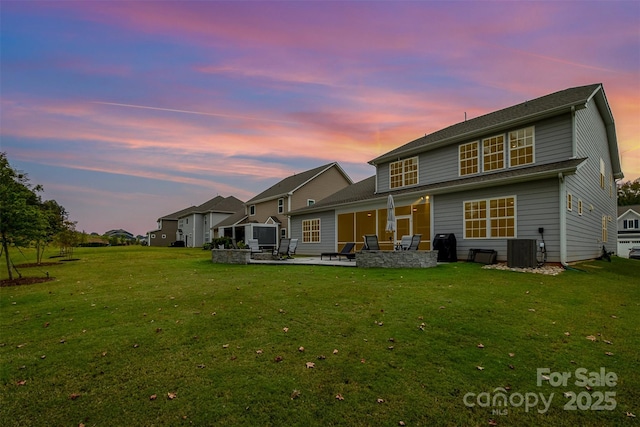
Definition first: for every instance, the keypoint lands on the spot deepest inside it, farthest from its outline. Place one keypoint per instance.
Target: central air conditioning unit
(521, 253)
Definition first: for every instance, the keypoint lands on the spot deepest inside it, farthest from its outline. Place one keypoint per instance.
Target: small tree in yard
(68, 238)
(21, 219)
(54, 217)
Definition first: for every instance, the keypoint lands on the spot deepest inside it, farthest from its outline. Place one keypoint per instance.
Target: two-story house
(272, 206)
(628, 229)
(541, 170)
(196, 225)
(166, 231)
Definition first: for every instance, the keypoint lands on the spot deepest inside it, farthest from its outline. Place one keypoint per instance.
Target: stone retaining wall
(230, 256)
(397, 259)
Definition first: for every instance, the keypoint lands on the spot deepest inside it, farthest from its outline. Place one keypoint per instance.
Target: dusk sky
(127, 111)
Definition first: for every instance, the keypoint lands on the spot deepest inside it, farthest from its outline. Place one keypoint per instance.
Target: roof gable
(291, 183)
(634, 210)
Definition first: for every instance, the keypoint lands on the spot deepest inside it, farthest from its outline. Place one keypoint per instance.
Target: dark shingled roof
(179, 213)
(365, 189)
(529, 110)
(291, 183)
(221, 204)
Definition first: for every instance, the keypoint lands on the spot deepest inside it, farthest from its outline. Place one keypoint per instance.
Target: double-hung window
(468, 156)
(280, 206)
(311, 230)
(403, 172)
(493, 153)
(521, 147)
(490, 218)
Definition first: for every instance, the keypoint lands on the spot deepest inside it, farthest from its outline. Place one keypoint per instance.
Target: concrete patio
(310, 260)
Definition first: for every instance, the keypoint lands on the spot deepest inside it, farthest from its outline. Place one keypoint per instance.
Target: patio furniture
(293, 245)
(283, 249)
(345, 252)
(415, 242)
(405, 242)
(254, 246)
(371, 243)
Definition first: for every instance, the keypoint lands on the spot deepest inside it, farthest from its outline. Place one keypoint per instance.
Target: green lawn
(221, 344)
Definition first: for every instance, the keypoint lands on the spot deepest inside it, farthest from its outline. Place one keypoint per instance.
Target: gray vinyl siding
(552, 143)
(584, 233)
(536, 206)
(327, 233)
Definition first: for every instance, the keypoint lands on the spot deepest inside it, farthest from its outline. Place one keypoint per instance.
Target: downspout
(574, 138)
(563, 221)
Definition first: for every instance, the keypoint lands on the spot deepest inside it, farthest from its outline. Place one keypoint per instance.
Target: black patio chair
(371, 243)
(283, 250)
(345, 252)
(415, 242)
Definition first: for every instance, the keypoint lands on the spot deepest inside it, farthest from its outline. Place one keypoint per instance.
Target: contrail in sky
(173, 110)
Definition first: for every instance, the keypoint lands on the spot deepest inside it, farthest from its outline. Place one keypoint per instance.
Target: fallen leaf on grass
(493, 422)
(480, 345)
(225, 345)
(285, 329)
(362, 361)
(335, 351)
(171, 395)
(74, 396)
(379, 400)
(321, 357)
(46, 325)
(278, 359)
(590, 337)
(310, 365)
(532, 309)
(153, 397)
(608, 353)
(21, 382)
(401, 423)
(300, 349)
(201, 366)
(339, 396)
(630, 415)
(567, 334)
(259, 351)
(295, 394)
(511, 354)
(480, 368)
(512, 367)
(613, 316)
(43, 356)
(607, 342)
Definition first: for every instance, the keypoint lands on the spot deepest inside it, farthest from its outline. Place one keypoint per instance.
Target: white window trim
(569, 202)
(319, 230)
(252, 210)
(311, 202)
(477, 143)
(533, 146)
(488, 218)
(504, 152)
(403, 184)
(280, 205)
(580, 207)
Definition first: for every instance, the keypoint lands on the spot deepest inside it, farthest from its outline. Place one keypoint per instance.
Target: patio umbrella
(391, 214)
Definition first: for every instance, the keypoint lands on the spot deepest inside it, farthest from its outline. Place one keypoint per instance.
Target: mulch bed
(24, 281)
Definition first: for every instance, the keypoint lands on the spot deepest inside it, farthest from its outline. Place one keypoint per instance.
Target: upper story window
(403, 172)
(493, 153)
(569, 202)
(252, 210)
(280, 205)
(469, 160)
(601, 173)
(579, 207)
(311, 202)
(630, 224)
(521, 144)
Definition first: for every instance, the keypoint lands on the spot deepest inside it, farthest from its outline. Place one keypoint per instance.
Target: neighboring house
(628, 229)
(273, 205)
(120, 233)
(548, 164)
(196, 225)
(167, 229)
